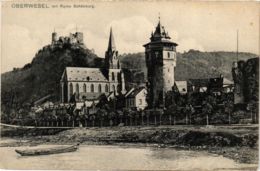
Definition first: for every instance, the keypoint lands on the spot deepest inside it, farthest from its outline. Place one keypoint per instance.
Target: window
(77, 88)
(99, 88)
(169, 55)
(92, 88)
(84, 88)
(71, 89)
(113, 76)
(106, 88)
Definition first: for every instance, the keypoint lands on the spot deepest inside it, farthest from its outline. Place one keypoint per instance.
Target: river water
(103, 157)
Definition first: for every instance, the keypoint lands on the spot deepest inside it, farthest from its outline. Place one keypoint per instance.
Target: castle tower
(79, 37)
(160, 55)
(54, 37)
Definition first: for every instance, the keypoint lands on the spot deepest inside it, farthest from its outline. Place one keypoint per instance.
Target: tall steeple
(111, 56)
(111, 42)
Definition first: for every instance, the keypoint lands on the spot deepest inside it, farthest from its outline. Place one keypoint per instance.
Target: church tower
(160, 56)
(112, 64)
(111, 56)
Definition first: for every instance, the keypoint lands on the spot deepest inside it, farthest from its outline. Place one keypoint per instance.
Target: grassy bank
(237, 142)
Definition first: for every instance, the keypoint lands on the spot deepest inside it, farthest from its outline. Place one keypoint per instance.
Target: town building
(136, 98)
(246, 81)
(214, 85)
(81, 82)
(160, 56)
(181, 87)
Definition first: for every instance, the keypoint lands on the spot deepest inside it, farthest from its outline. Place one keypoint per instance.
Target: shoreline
(239, 144)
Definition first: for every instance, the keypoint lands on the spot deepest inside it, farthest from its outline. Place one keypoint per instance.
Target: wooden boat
(47, 151)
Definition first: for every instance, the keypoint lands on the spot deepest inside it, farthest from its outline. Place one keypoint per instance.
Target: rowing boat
(47, 151)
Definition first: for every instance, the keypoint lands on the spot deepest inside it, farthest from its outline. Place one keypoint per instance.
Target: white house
(136, 98)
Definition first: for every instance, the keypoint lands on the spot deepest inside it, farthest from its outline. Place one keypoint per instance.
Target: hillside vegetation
(192, 64)
(42, 76)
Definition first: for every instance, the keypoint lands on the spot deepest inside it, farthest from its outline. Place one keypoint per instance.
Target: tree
(188, 110)
(147, 114)
(171, 111)
(207, 110)
(142, 115)
(67, 118)
(120, 115)
(208, 106)
(229, 106)
(111, 116)
(137, 116)
(92, 118)
(53, 117)
(101, 114)
(131, 114)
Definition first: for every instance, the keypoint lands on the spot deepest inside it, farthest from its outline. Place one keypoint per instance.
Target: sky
(204, 26)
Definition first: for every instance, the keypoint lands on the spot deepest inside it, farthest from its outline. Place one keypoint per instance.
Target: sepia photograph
(129, 85)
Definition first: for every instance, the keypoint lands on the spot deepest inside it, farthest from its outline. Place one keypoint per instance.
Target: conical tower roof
(111, 42)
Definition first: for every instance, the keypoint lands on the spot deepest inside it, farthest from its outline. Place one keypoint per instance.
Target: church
(89, 83)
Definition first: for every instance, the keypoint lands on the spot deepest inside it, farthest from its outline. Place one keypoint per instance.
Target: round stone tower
(160, 56)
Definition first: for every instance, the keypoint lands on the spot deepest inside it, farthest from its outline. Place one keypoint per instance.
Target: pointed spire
(111, 42)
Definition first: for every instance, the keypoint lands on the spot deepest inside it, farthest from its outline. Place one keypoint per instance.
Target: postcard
(129, 85)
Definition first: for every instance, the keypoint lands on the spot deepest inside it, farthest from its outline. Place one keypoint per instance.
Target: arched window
(71, 89)
(113, 76)
(169, 55)
(99, 88)
(106, 88)
(114, 88)
(77, 88)
(84, 88)
(92, 88)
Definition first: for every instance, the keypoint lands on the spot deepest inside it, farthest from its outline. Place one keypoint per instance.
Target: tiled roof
(85, 74)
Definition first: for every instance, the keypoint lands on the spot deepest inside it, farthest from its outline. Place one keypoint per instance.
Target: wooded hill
(42, 76)
(191, 64)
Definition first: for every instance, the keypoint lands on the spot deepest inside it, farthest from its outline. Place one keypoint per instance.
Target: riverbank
(239, 143)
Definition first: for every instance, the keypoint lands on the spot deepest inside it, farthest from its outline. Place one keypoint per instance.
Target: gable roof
(129, 92)
(135, 92)
(85, 74)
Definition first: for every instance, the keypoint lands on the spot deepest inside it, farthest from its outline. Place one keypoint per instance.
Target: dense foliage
(42, 76)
